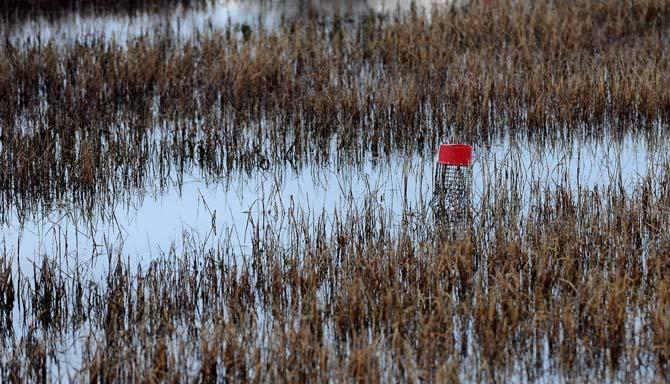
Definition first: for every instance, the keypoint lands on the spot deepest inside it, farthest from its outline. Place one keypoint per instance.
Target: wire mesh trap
(452, 192)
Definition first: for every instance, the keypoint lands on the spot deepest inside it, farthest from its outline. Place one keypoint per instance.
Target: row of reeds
(27, 8)
(75, 116)
(575, 287)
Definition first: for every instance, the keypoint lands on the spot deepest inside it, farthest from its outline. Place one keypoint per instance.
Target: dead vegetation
(76, 117)
(573, 285)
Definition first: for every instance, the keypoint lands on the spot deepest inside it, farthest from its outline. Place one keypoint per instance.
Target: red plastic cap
(455, 154)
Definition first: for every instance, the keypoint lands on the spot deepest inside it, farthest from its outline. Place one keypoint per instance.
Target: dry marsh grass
(78, 114)
(574, 288)
(563, 283)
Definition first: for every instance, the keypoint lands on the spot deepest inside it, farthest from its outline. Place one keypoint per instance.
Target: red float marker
(455, 154)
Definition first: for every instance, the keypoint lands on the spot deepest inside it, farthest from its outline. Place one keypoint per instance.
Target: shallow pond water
(186, 22)
(220, 212)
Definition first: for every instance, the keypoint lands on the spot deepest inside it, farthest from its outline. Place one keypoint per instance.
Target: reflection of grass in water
(523, 295)
(32, 7)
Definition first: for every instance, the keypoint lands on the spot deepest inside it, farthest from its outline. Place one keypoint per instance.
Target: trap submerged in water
(452, 192)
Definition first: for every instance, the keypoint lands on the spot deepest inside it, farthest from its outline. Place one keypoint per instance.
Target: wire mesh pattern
(452, 198)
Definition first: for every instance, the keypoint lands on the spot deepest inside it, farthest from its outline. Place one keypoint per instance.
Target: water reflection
(184, 22)
(401, 188)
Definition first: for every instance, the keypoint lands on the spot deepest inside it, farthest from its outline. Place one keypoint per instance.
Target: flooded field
(200, 18)
(245, 191)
